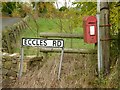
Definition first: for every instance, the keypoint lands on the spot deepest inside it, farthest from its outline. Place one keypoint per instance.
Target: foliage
(15, 13)
(16, 8)
(9, 7)
(26, 8)
(114, 31)
(114, 17)
(43, 7)
(86, 8)
(89, 8)
(74, 16)
(63, 8)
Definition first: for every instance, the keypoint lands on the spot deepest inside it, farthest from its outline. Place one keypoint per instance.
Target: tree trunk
(105, 35)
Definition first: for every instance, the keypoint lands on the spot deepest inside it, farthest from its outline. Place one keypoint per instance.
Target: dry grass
(77, 72)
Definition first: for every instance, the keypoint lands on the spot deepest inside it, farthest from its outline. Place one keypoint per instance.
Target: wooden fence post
(105, 35)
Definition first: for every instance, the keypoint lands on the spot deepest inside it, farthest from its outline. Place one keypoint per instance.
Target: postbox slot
(91, 23)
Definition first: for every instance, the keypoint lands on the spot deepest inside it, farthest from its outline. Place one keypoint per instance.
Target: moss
(7, 64)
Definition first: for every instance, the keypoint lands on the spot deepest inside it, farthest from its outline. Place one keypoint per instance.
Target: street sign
(40, 42)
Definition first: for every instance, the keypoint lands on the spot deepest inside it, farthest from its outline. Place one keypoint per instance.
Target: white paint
(92, 30)
(4, 54)
(15, 54)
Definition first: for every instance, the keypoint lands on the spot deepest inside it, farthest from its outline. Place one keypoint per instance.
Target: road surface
(9, 21)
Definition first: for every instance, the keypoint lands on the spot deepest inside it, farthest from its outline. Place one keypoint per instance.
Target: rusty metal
(104, 8)
(107, 39)
(105, 25)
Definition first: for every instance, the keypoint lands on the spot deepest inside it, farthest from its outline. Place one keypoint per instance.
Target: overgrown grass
(53, 25)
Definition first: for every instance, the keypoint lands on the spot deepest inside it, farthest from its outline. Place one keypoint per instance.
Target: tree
(86, 8)
(9, 7)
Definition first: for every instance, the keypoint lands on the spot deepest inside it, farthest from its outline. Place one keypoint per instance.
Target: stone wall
(11, 64)
(11, 33)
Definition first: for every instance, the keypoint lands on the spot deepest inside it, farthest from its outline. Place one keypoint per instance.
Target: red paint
(90, 22)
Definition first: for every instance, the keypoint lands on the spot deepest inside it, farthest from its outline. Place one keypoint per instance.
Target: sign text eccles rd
(43, 42)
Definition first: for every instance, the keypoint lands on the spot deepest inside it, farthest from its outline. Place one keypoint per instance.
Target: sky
(62, 3)
(59, 2)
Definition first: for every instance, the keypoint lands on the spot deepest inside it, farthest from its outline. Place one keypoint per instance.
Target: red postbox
(90, 29)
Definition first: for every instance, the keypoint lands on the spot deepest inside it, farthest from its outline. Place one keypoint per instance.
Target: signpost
(45, 43)
(99, 51)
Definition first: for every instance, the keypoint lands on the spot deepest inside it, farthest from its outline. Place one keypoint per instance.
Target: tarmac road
(8, 21)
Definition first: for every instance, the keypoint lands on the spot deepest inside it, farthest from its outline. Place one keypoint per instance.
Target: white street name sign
(40, 42)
